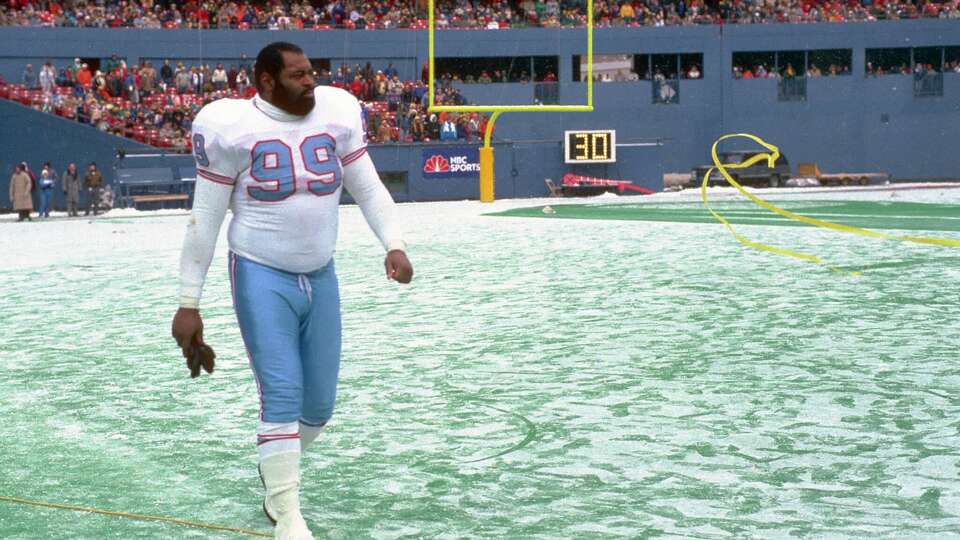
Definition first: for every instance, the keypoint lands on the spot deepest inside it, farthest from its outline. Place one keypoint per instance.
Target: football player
(279, 161)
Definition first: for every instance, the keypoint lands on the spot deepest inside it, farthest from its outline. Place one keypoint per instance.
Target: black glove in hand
(200, 356)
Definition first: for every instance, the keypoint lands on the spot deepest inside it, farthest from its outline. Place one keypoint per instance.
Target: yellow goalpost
(486, 152)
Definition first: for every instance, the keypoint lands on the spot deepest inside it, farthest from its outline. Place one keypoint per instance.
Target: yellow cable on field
(771, 157)
(139, 517)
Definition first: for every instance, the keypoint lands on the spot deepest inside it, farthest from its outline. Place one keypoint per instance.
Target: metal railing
(666, 92)
(928, 85)
(792, 89)
(546, 93)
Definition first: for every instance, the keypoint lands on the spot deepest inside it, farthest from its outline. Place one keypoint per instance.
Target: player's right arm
(217, 170)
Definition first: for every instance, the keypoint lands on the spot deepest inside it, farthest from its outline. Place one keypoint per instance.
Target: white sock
(308, 434)
(277, 438)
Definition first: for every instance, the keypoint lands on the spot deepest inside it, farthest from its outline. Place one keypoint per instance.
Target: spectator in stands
(417, 130)
(405, 116)
(394, 91)
(196, 80)
(71, 189)
(166, 73)
(29, 78)
(100, 85)
(432, 126)
(148, 79)
(448, 130)
(232, 77)
(84, 77)
(20, 193)
(93, 181)
(131, 86)
(48, 78)
(73, 69)
(219, 78)
(182, 79)
(384, 132)
(243, 81)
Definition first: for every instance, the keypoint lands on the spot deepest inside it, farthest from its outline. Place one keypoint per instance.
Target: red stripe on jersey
(213, 177)
(353, 156)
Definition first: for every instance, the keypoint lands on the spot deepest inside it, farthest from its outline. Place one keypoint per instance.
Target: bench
(152, 186)
(159, 198)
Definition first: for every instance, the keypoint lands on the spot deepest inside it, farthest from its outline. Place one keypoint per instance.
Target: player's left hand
(201, 355)
(398, 266)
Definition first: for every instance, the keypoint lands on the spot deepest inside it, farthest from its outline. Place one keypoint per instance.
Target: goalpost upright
(486, 152)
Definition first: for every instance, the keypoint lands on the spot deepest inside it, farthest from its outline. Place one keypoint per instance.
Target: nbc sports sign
(450, 162)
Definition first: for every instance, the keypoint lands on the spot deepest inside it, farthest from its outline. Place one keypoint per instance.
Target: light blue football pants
(290, 325)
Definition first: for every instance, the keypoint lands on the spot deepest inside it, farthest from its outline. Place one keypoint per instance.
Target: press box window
(830, 61)
(787, 61)
(751, 62)
(928, 56)
(888, 61)
(606, 67)
(665, 65)
(691, 66)
(951, 56)
(516, 69)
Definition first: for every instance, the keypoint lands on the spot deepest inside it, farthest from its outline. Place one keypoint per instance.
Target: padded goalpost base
(486, 174)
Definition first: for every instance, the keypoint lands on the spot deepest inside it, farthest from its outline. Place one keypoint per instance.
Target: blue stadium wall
(846, 123)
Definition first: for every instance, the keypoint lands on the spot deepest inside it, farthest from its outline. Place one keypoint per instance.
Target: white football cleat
(281, 478)
(292, 527)
(267, 510)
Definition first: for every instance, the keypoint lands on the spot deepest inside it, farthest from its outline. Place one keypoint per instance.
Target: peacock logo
(436, 164)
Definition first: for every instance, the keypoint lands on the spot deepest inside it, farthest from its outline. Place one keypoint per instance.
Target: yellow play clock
(590, 146)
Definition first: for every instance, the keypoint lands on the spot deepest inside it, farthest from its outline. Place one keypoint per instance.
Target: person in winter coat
(71, 189)
(46, 183)
(20, 193)
(93, 181)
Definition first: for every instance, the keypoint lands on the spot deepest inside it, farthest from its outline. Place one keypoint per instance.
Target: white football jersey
(286, 172)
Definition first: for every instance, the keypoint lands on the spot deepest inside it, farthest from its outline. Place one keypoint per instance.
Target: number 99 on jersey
(590, 146)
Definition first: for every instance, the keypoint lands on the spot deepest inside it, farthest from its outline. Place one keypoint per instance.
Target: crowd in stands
(762, 71)
(490, 14)
(495, 76)
(157, 106)
(920, 70)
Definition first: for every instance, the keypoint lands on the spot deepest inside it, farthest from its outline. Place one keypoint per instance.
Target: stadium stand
(138, 104)
(491, 14)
